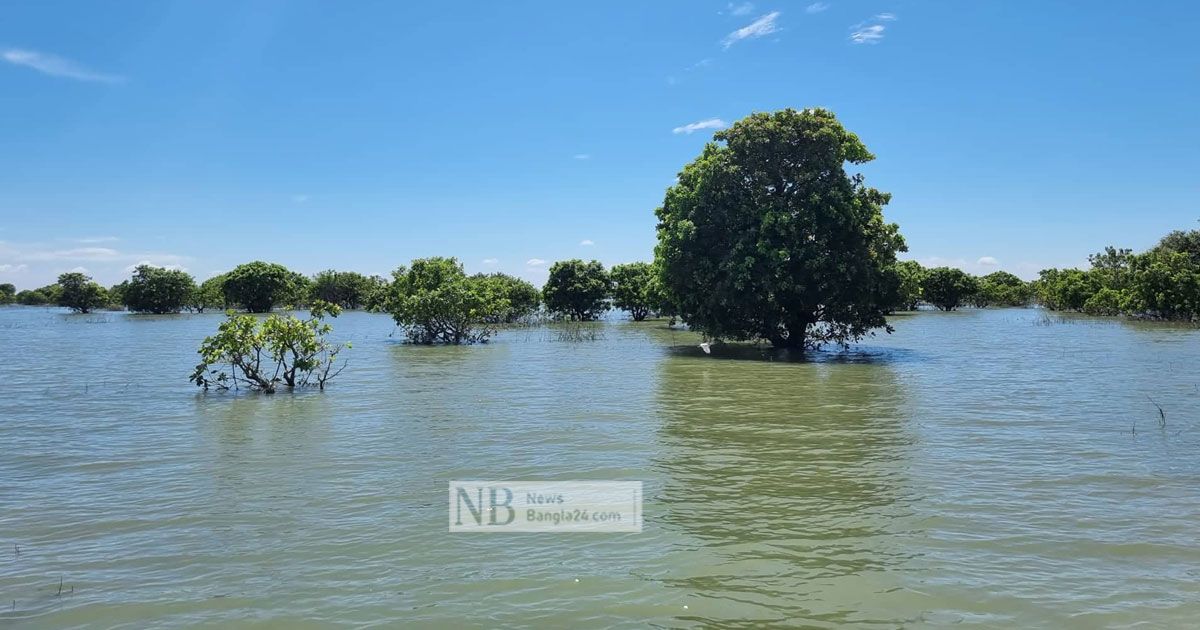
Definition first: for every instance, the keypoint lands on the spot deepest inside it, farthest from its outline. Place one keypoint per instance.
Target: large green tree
(157, 290)
(79, 293)
(260, 286)
(948, 288)
(522, 298)
(210, 294)
(633, 289)
(434, 301)
(1001, 288)
(577, 289)
(909, 274)
(766, 236)
(1066, 289)
(8, 293)
(347, 289)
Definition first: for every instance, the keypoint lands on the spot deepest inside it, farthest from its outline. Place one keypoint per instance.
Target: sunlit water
(983, 468)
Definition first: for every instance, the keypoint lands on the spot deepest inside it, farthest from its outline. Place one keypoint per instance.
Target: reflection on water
(977, 467)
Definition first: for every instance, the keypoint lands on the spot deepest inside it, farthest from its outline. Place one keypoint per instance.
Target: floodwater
(998, 468)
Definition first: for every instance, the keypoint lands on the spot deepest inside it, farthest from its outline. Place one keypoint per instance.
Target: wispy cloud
(868, 34)
(587, 242)
(987, 261)
(91, 240)
(763, 26)
(582, 156)
(690, 128)
(490, 261)
(741, 9)
(535, 262)
(871, 31)
(816, 7)
(56, 66)
(9, 268)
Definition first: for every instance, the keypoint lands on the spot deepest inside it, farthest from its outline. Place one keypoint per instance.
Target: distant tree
(1066, 289)
(633, 289)
(1165, 285)
(378, 295)
(522, 297)
(259, 286)
(1111, 267)
(116, 295)
(1181, 242)
(344, 288)
(1001, 288)
(766, 236)
(1107, 301)
(264, 354)
(577, 289)
(40, 296)
(157, 290)
(8, 293)
(435, 302)
(909, 276)
(948, 288)
(79, 293)
(210, 294)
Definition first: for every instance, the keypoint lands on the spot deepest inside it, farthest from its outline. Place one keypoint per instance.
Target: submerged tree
(434, 301)
(210, 294)
(948, 288)
(1001, 288)
(157, 290)
(263, 354)
(767, 237)
(260, 286)
(633, 289)
(344, 288)
(909, 275)
(577, 289)
(522, 297)
(79, 293)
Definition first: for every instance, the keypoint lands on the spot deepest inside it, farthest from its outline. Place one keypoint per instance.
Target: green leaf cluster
(156, 290)
(434, 301)
(577, 290)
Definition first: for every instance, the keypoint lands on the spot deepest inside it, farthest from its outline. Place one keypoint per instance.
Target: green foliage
(210, 294)
(8, 293)
(79, 293)
(1107, 301)
(909, 275)
(1001, 288)
(1166, 285)
(435, 302)
(264, 354)
(633, 289)
(345, 288)
(40, 296)
(378, 296)
(523, 299)
(156, 290)
(766, 236)
(259, 286)
(1066, 289)
(1181, 242)
(948, 288)
(577, 290)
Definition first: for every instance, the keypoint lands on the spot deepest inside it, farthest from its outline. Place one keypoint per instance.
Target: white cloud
(690, 128)
(55, 66)
(586, 242)
(77, 253)
(763, 26)
(816, 7)
(79, 270)
(885, 17)
(95, 239)
(870, 34)
(741, 9)
(987, 261)
(490, 261)
(582, 156)
(10, 268)
(535, 262)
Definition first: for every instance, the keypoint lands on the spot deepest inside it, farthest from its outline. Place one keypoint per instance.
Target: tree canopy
(577, 289)
(345, 288)
(157, 290)
(79, 293)
(434, 301)
(765, 235)
(8, 293)
(948, 288)
(260, 286)
(633, 289)
(522, 298)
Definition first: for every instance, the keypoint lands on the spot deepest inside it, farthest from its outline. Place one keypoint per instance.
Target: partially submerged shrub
(262, 354)
(434, 301)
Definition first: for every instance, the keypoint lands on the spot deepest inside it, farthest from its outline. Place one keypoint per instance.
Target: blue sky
(1013, 135)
